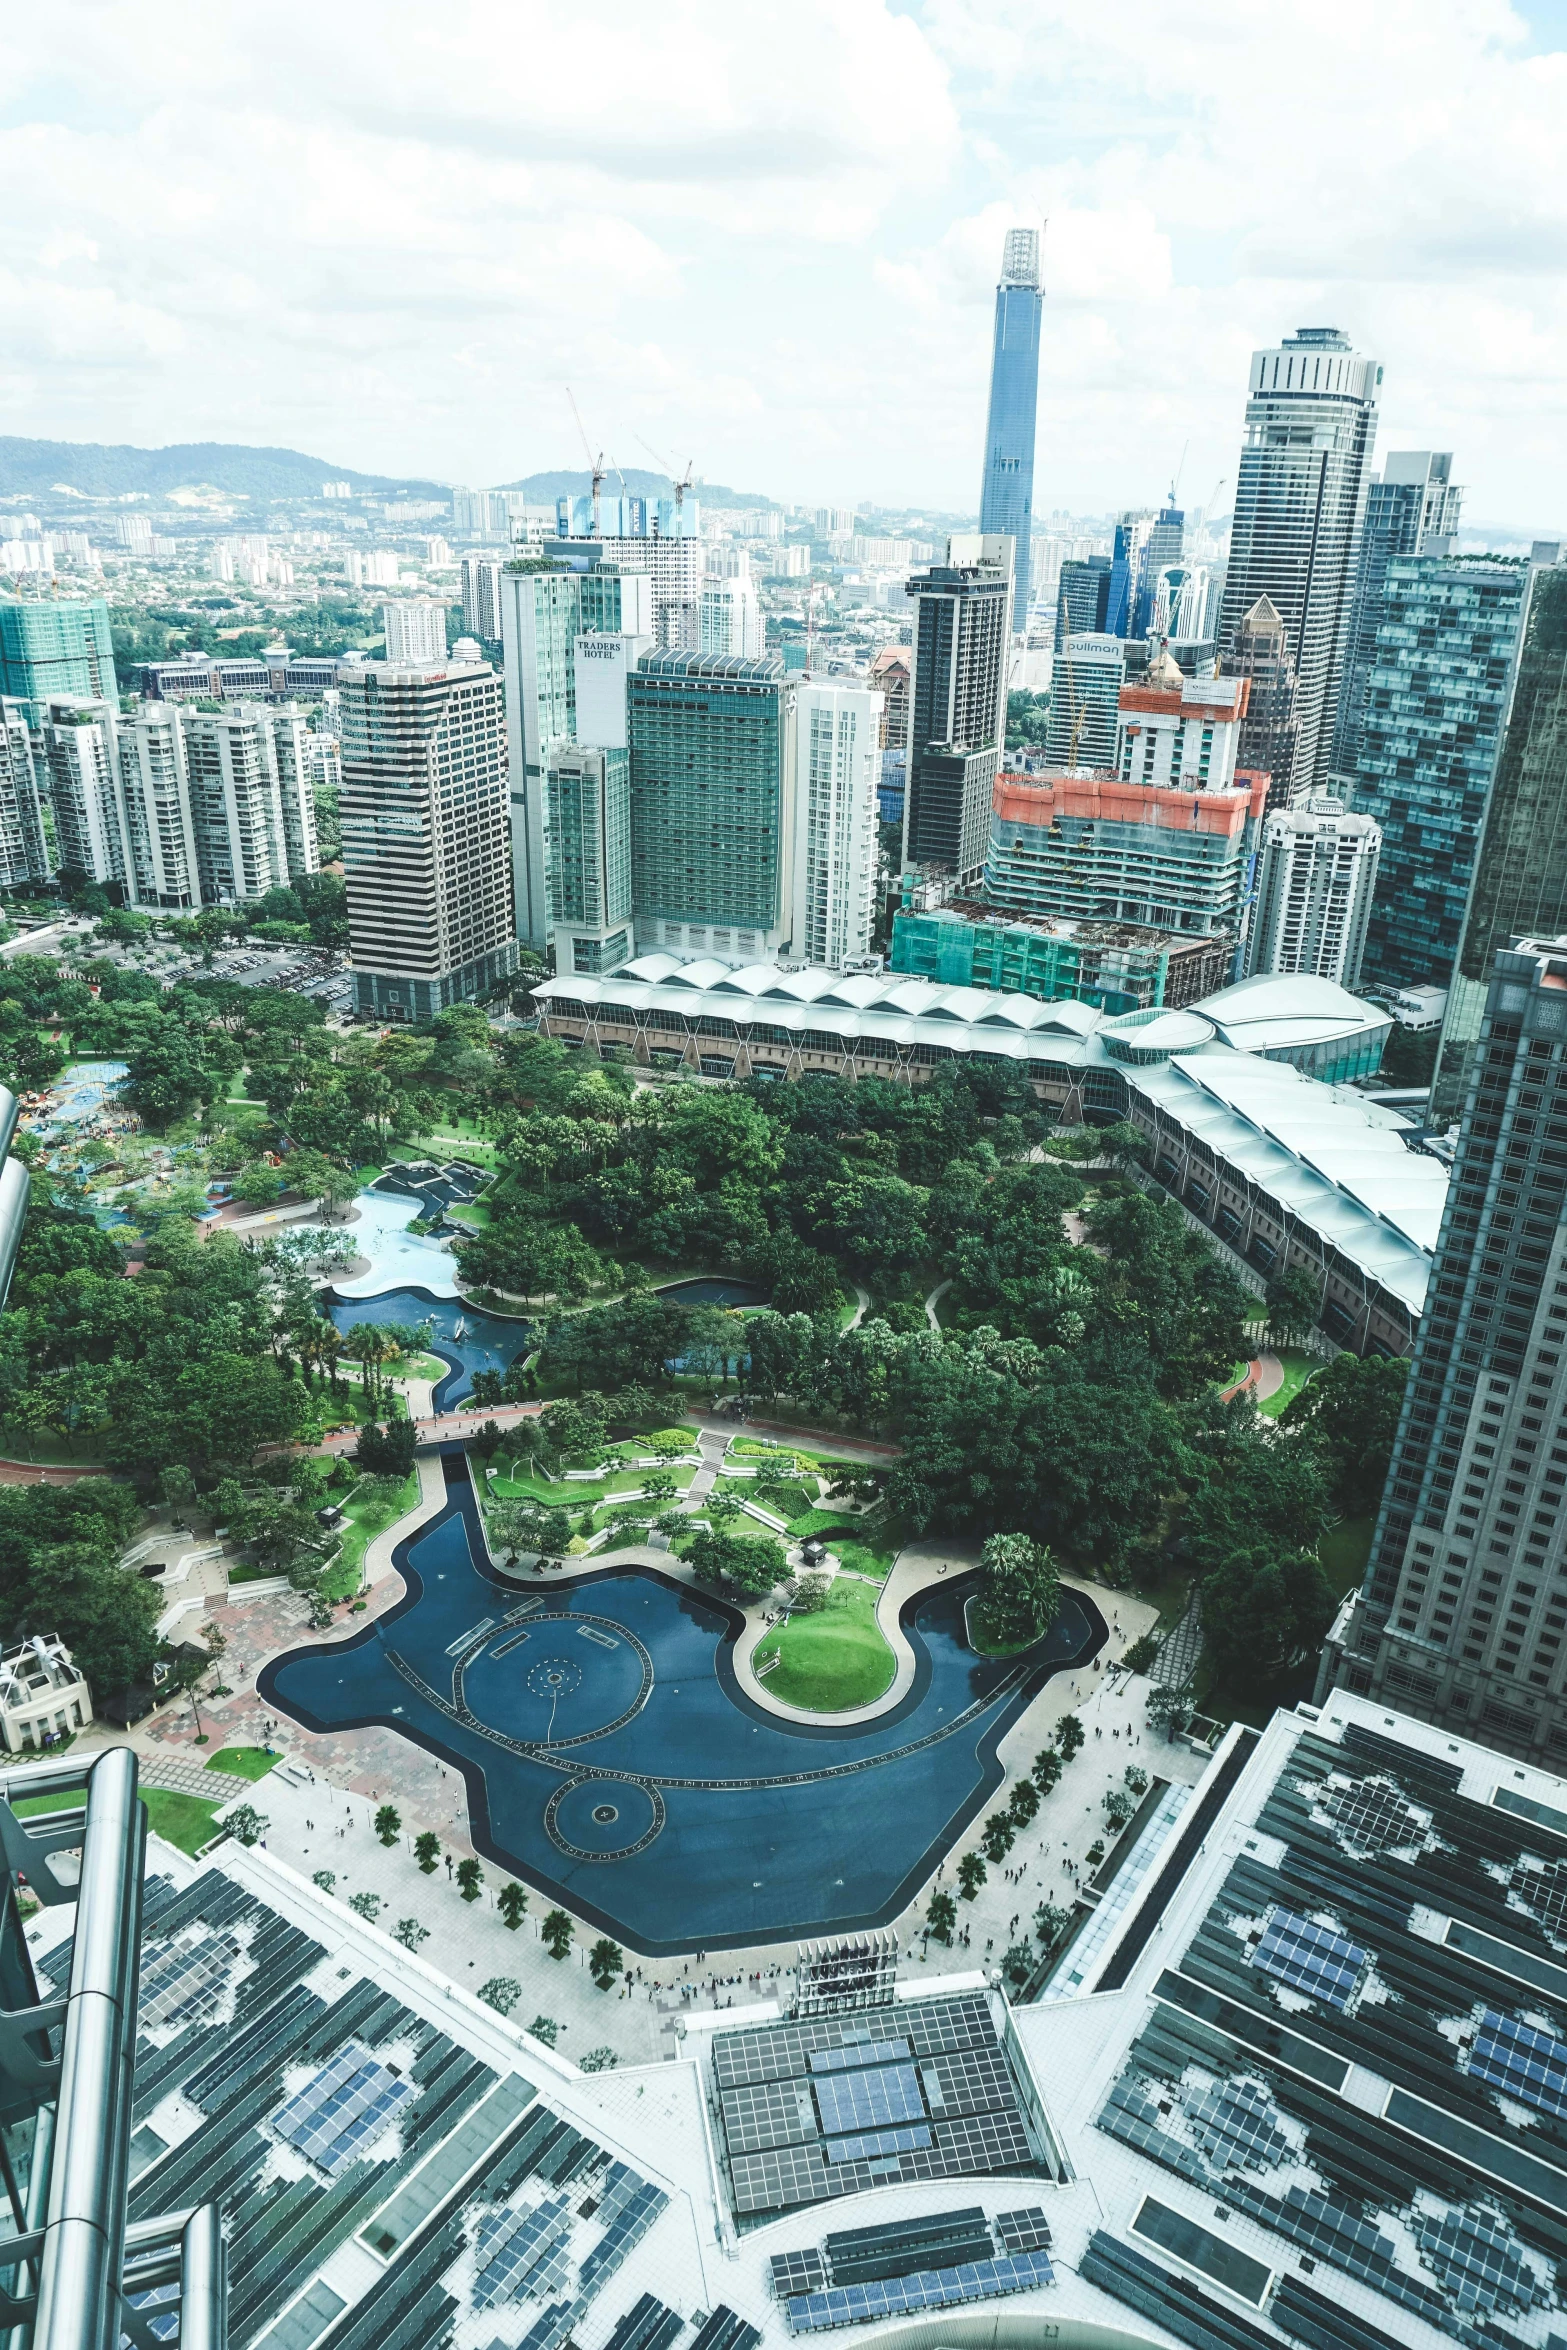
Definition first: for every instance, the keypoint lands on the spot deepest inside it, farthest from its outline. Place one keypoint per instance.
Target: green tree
(1050, 1923)
(998, 1837)
(1024, 1804)
(545, 2030)
(368, 1906)
(556, 1933)
(941, 1916)
(1350, 1411)
(598, 2060)
(501, 1992)
(470, 1877)
(1141, 1652)
(1069, 1736)
(750, 1569)
(427, 1850)
(971, 1875)
(1018, 1962)
(512, 1903)
(245, 1824)
(325, 1878)
(388, 1824)
(1294, 1301)
(1022, 1588)
(606, 1962)
(410, 1933)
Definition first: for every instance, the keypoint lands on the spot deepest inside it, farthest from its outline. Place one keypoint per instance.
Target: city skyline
(430, 225)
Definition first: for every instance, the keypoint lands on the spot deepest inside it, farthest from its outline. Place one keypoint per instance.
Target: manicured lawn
(187, 1821)
(1233, 1376)
(1344, 1550)
(366, 1518)
(834, 1659)
(242, 1762)
(1298, 1368)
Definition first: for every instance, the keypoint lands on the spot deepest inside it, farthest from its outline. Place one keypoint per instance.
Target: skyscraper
(1464, 1611)
(1006, 498)
(1314, 886)
(415, 629)
(481, 597)
(1260, 653)
(729, 617)
(1082, 597)
(424, 814)
(154, 808)
(236, 802)
(24, 854)
(1164, 544)
(1299, 503)
(837, 768)
(1436, 671)
(1411, 509)
(62, 649)
(80, 756)
(589, 794)
(957, 717)
(1085, 702)
(712, 782)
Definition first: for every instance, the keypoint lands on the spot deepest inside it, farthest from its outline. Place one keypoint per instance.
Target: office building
(957, 715)
(424, 818)
(1179, 610)
(1089, 847)
(1082, 598)
(1412, 508)
(481, 597)
(1464, 1611)
(1519, 886)
(161, 864)
(1085, 702)
(892, 676)
(24, 852)
(589, 807)
(1006, 496)
(1127, 547)
(1436, 675)
(1164, 545)
(729, 618)
(59, 650)
(547, 604)
(415, 628)
(712, 786)
(1314, 890)
(837, 771)
(1115, 966)
(1305, 461)
(80, 758)
(1260, 655)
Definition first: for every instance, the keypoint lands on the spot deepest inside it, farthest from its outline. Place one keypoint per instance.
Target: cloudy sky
(766, 235)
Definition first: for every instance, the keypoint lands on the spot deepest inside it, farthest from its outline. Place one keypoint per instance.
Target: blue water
(489, 1341)
(666, 1808)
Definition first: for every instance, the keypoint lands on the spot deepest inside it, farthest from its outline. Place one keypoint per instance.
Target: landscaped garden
(833, 1659)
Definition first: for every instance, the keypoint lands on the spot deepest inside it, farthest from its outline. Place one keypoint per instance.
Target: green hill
(101, 469)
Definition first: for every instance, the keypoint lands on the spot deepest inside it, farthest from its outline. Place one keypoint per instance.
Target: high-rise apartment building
(672, 565)
(415, 629)
(589, 795)
(837, 770)
(957, 716)
(80, 754)
(295, 757)
(729, 618)
(1085, 702)
(424, 816)
(1463, 1617)
(1300, 496)
(1519, 887)
(236, 802)
(1412, 508)
(1314, 889)
(159, 837)
(1006, 497)
(1435, 676)
(24, 853)
(481, 597)
(1082, 597)
(712, 784)
(62, 649)
(1260, 654)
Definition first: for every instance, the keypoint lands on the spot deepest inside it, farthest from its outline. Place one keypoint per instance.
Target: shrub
(598, 2060)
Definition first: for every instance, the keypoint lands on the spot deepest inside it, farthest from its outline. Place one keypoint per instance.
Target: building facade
(1180, 732)
(1260, 655)
(1082, 598)
(837, 771)
(589, 793)
(1006, 496)
(1412, 508)
(1315, 885)
(957, 708)
(481, 597)
(729, 618)
(424, 817)
(1436, 676)
(1519, 887)
(415, 630)
(24, 850)
(1115, 966)
(892, 676)
(234, 782)
(712, 783)
(1163, 547)
(1463, 1616)
(1085, 702)
(80, 756)
(161, 863)
(1300, 496)
(1083, 846)
(59, 650)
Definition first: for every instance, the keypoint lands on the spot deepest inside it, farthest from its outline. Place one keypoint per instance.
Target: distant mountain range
(101, 469)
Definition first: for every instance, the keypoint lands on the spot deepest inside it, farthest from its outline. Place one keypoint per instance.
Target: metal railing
(73, 2276)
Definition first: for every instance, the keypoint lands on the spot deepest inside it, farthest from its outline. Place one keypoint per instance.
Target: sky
(765, 237)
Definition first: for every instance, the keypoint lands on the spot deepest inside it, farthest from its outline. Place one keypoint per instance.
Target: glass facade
(1006, 498)
(1434, 694)
(1410, 511)
(956, 712)
(62, 648)
(708, 744)
(1082, 597)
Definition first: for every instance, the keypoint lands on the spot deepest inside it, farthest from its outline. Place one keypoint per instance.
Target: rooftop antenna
(595, 464)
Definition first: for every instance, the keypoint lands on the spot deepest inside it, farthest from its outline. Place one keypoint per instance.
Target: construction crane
(595, 464)
(679, 486)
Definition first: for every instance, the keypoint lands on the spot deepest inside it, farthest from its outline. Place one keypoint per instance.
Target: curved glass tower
(1006, 498)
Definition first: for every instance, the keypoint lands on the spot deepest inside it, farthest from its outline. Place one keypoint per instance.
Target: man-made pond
(612, 1760)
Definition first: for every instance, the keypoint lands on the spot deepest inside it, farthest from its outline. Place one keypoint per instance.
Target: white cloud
(769, 234)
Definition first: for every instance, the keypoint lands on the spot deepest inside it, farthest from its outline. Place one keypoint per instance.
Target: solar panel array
(347, 2106)
(940, 2288)
(1236, 2124)
(798, 2272)
(647, 2325)
(1023, 2231)
(1373, 1815)
(1521, 2061)
(725, 2331)
(522, 2253)
(1477, 2260)
(827, 2106)
(183, 1984)
(1309, 1958)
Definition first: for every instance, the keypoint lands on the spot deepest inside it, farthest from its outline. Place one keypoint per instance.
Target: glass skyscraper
(1411, 509)
(1437, 659)
(711, 748)
(59, 650)
(958, 704)
(1082, 598)
(1006, 498)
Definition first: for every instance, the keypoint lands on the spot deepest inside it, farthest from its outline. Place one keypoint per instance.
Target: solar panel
(513, 2246)
(1374, 1816)
(1023, 2231)
(725, 2331)
(770, 2113)
(797, 2272)
(647, 2325)
(347, 2105)
(940, 2288)
(1309, 1958)
(855, 2053)
(1543, 1889)
(876, 2143)
(1476, 2259)
(1236, 2124)
(861, 2101)
(181, 1985)
(1522, 2061)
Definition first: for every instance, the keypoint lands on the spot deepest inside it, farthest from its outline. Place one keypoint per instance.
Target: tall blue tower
(1006, 498)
